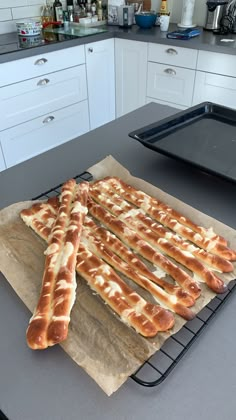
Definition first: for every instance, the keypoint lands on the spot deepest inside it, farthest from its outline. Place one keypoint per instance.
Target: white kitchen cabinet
(20, 102)
(43, 104)
(131, 75)
(158, 101)
(37, 65)
(101, 81)
(2, 162)
(215, 88)
(27, 140)
(215, 79)
(174, 56)
(218, 63)
(170, 84)
(171, 74)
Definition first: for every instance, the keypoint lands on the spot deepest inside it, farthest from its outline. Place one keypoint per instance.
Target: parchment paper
(107, 349)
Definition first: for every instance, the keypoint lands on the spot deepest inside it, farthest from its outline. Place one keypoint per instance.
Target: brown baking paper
(98, 341)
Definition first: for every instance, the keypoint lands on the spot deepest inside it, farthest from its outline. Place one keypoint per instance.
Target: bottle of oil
(164, 8)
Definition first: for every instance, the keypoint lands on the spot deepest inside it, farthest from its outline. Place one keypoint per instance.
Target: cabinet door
(171, 84)
(101, 82)
(2, 162)
(131, 75)
(172, 55)
(215, 88)
(41, 134)
(37, 65)
(27, 100)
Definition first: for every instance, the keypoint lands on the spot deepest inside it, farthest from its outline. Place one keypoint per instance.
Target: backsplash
(19, 9)
(15, 10)
(175, 7)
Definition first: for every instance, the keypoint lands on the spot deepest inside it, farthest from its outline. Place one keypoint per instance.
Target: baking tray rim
(208, 107)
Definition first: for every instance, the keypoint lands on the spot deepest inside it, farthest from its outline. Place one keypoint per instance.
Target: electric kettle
(215, 12)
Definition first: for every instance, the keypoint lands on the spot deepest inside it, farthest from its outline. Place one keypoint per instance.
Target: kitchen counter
(9, 43)
(48, 385)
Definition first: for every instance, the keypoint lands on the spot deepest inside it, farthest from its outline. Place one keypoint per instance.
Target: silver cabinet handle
(43, 82)
(172, 72)
(40, 61)
(90, 50)
(48, 119)
(171, 51)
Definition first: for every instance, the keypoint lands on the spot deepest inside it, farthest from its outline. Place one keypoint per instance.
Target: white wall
(175, 7)
(12, 10)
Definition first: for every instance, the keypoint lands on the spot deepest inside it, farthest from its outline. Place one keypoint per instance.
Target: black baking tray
(203, 136)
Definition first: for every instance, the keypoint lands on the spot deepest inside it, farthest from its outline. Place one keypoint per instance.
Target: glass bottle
(99, 9)
(164, 8)
(58, 11)
(47, 13)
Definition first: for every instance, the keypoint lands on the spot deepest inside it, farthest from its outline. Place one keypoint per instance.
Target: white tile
(25, 12)
(34, 2)
(6, 27)
(5, 14)
(13, 3)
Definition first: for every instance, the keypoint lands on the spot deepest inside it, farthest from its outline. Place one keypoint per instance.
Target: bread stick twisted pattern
(116, 206)
(146, 318)
(214, 261)
(136, 242)
(50, 320)
(204, 238)
(133, 260)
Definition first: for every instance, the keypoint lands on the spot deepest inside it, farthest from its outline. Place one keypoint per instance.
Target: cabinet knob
(40, 61)
(48, 119)
(172, 72)
(90, 50)
(43, 82)
(171, 51)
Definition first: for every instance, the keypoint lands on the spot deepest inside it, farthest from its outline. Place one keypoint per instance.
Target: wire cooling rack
(161, 364)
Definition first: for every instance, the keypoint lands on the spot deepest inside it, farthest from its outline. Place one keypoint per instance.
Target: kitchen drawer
(27, 68)
(27, 100)
(41, 134)
(175, 56)
(212, 62)
(215, 88)
(170, 84)
(2, 162)
(159, 101)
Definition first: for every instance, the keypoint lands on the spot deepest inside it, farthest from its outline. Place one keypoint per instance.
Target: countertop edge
(207, 41)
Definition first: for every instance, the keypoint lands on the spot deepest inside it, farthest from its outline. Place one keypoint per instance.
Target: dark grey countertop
(38, 386)
(207, 41)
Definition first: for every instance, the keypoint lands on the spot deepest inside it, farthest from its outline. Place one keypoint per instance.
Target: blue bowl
(145, 19)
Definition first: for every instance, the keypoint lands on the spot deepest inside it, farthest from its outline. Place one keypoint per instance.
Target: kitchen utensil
(215, 12)
(164, 23)
(146, 20)
(30, 27)
(197, 136)
(126, 15)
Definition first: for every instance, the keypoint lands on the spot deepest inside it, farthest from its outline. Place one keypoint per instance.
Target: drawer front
(170, 84)
(24, 101)
(2, 162)
(27, 68)
(224, 64)
(158, 101)
(37, 136)
(215, 88)
(175, 56)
